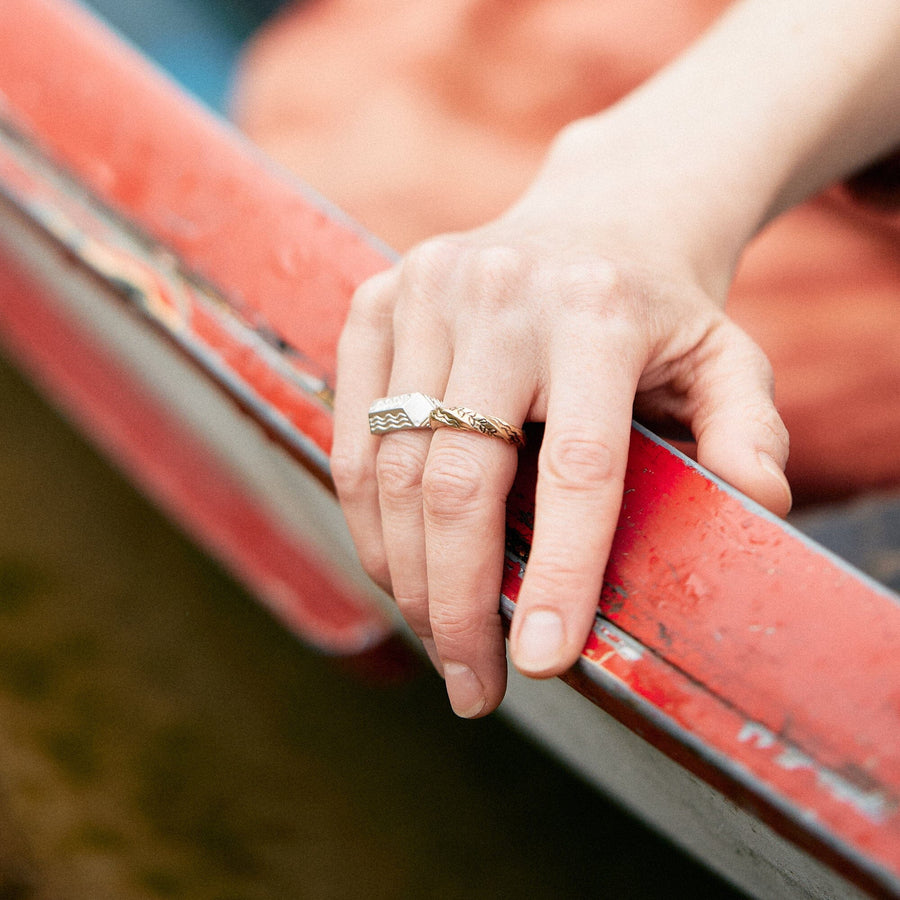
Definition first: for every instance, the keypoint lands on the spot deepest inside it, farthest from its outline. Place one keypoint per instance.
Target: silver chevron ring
(401, 412)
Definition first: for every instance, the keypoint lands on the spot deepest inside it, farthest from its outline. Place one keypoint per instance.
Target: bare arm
(775, 102)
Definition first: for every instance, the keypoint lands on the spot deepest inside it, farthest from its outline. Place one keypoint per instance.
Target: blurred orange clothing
(419, 118)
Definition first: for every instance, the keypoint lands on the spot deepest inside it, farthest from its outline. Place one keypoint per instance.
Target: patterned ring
(466, 419)
(401, 412)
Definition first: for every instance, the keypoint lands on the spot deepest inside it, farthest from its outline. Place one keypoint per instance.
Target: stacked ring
(466, 419)
(417, 410)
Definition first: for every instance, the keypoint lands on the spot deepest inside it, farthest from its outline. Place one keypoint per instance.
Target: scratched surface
(730, 636)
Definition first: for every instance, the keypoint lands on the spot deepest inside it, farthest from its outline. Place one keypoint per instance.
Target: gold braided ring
(466, 419)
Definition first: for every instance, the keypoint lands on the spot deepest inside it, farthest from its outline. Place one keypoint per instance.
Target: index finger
(581, 471)
(364, 360)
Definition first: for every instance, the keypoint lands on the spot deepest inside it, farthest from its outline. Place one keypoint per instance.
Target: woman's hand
(601, 291)
(544, 315)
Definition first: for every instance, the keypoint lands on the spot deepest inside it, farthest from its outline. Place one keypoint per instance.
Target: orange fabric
(419, 118)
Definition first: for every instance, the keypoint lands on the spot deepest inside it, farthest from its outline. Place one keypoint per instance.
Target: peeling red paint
(176, 468)
(742, 622)
(221, 196)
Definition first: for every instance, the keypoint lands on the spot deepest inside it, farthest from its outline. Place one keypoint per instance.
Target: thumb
(740, 436)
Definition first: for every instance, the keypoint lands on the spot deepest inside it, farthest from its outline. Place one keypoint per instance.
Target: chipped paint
(152, 282)
(726, 661)
(874, 804)
(618, 642)
(753, 732)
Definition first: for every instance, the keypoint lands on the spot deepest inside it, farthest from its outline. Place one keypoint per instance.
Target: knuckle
(431, 261)
(398, 469)
(372, 301)
(349, 471)
(369, 317)
(754, 361)
(728, 339)
(554, 586)
(489, 276)
(769, 423)
(596, 286)
(454, 629)
(576, 461)
(451, 484)
(764, 367)
(597, 275)
(496, 269)
(415, 613)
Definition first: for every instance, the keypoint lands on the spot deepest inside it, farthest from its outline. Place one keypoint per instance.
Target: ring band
(401, 412)
(466, 419)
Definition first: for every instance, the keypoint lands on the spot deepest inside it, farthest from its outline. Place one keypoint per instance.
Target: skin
(598, 295)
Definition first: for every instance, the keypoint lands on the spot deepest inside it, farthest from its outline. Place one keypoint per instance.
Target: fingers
(427, 510)
(420, 365)
(468, 477)
(399, 466)
(581, 471)
(465, 486)
(740, 436)
(364, 360)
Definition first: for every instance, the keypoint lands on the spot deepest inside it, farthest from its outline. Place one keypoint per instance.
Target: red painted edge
(220, 197)
(179, 471)
(762, 663)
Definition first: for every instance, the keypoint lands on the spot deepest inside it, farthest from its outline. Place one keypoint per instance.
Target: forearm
(777, 100)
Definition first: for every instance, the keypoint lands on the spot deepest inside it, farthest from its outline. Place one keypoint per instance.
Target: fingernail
(772, 467)
(464, 689)
(540, 640)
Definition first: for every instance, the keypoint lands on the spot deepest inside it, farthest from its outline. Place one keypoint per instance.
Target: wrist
(631, 187)
(779, 99)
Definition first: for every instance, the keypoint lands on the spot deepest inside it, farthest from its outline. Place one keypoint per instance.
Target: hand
(544, 315)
